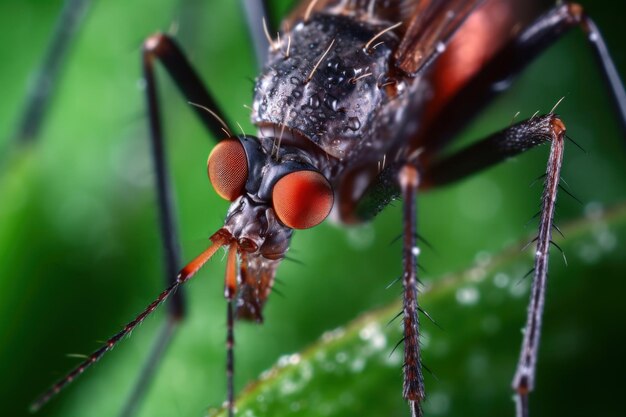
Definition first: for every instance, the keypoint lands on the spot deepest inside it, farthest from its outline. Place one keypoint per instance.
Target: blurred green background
(80, 252)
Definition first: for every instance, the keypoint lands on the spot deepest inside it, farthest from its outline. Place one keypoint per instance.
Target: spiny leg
(513, 140)
(496, 148)
(413, 386)
(167, 52)
(497, 75)
(524, 380)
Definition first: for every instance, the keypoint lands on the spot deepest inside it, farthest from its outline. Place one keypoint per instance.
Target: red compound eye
(302, 199)
(228, 169)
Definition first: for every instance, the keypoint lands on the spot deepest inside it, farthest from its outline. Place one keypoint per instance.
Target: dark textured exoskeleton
(353, 106)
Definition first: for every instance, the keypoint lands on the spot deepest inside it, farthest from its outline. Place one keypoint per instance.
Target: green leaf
(355, 370)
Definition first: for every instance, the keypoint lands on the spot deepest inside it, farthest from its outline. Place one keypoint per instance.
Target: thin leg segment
(230, 292)
(496, 148)
(164, 49)
(483, 154)
(48, 74)
(490, 151)
(256, 11)
(524, 380)
(413, 388)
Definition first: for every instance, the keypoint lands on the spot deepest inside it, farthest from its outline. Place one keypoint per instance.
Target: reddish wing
(428, 25)
(430, 28)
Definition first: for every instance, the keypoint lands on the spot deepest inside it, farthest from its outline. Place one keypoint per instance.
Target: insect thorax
(322, 82)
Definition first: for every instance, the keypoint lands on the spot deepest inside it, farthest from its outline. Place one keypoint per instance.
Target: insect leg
(47, 76)
(256, 11)
(164, 49)
(495, 148)
(413, 387)
(496, 76)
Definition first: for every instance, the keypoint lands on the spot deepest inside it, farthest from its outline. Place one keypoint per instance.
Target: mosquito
(354, 108)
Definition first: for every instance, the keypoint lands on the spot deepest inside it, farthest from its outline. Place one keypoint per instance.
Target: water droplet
(357, 365)
(362, 236)
(354, 123)
(314, 102)
(295, 406)
(467, 296)
(594, 210)
(415, 251)
(518, 289)
(483, 258)
(606, 239)
(501, 280)
(373, 334)
(477, 274)
(331, 102)
(333, 334)
(341, 357)
(589, 253)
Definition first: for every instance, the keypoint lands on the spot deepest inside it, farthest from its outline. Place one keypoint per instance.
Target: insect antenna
(183, 276)
(216, 116)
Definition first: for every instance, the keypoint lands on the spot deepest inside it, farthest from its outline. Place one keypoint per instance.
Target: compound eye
(302, 199)
(228, 169)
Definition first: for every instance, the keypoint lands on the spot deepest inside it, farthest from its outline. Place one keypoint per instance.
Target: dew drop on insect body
(314, 102)
(354, 123)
